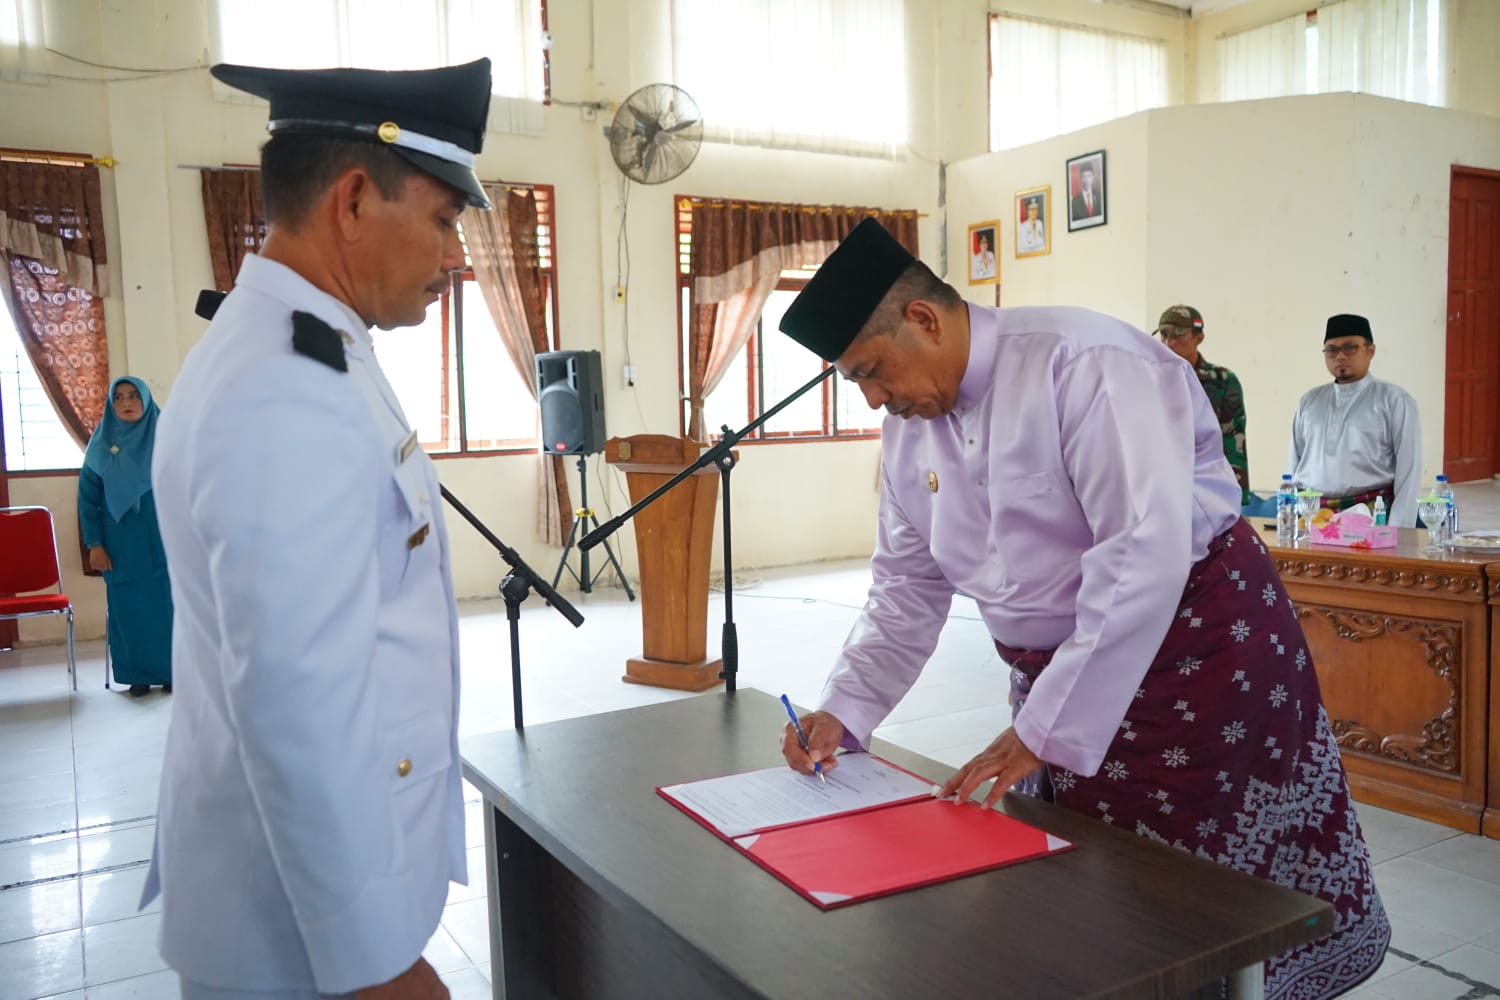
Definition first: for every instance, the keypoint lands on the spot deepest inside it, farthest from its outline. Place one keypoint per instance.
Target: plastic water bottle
(1380, 512)
(1286, 511)
(1445, 490)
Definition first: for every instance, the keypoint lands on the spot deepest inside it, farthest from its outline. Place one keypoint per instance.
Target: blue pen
(802, 738)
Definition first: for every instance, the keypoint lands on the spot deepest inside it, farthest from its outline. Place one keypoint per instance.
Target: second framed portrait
(1034, 221)
(984, 266)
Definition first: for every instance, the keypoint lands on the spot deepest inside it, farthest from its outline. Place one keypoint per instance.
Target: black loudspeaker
(570, 391)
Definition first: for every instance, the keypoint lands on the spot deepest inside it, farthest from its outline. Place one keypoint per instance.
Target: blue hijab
(119, 453)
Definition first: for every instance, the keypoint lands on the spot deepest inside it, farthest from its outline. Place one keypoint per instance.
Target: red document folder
(852, 856)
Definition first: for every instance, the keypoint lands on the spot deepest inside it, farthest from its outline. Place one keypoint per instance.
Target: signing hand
(99, 559)
(824, 732)
(420, 982)
(1006, 760)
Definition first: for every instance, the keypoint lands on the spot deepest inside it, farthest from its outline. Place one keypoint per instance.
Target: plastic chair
(29, 564)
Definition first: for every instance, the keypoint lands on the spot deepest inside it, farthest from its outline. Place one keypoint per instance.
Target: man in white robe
(1357, 437)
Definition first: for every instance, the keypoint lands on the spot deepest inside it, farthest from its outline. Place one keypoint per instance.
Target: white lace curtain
(1047, 78)
(1269, 61)
(393, 34)
(1390, 48)
(23, 46)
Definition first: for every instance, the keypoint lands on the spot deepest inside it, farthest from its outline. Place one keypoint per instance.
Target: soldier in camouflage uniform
(1181, 329)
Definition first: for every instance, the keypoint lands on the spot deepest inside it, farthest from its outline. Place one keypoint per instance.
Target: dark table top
(1118, 916)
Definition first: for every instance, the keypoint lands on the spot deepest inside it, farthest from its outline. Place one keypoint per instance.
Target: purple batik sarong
(1227, 752)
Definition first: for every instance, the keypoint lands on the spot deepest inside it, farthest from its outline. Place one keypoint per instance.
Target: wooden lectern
(674, 545)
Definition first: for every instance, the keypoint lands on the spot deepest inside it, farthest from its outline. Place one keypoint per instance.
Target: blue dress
(138, 589)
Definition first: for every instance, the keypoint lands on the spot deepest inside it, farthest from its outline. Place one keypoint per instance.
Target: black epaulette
(319, 341)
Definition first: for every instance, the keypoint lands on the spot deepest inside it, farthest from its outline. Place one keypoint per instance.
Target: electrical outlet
(588, 112)
(619, 293)
(629, 373)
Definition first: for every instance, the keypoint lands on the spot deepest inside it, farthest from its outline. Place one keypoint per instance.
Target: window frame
(452, 327)
(55, 158)
(756, 401)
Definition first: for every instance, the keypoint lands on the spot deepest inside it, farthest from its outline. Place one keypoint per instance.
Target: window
(1047, 79)
(35, 438)
(395, 34)
(822, 75)
(1391, 48)
(1275, 60)
(452, 376)
(23, 47)
(770, 368)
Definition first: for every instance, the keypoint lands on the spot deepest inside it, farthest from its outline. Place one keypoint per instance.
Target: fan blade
(685, 123)
(648, 159)
(644, 121)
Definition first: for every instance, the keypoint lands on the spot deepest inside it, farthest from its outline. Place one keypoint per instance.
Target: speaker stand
(583, 517)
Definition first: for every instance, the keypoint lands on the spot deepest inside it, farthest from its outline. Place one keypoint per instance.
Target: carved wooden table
(1404, 643)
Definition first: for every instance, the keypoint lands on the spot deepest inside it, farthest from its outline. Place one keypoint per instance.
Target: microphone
(209, 301)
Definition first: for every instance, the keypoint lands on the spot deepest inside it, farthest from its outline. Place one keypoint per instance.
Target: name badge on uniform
(418, 537)
(407, 446)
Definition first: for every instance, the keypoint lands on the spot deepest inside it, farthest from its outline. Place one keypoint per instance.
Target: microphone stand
(719, 454)
(515, 587)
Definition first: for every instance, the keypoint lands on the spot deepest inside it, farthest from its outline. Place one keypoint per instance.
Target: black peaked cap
(434, 118)
(1348, 325)
(841, 296)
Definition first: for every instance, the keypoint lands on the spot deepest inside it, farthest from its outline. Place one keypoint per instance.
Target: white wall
(1103, 267)
(1268, 216)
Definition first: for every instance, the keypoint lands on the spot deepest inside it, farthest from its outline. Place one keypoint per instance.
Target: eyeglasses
(1342, 350)
(1173, 332)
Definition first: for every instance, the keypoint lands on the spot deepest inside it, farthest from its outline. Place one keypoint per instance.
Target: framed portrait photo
(1034, 221)
(984, 266)
(1086, 191)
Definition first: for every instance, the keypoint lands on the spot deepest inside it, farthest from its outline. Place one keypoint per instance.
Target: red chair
(28, 563)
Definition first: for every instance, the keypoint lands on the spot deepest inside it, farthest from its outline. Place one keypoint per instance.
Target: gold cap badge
(388, 132)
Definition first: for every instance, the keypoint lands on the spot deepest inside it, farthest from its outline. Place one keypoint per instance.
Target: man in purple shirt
(1068, 474)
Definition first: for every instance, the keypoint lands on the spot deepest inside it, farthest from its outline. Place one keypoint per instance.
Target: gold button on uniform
(403, 768)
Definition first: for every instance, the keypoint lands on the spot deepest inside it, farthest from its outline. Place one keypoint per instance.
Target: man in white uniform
(311, 810)
(1357, 437)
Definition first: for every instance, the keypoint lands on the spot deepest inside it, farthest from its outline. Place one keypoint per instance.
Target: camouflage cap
(1181, 317)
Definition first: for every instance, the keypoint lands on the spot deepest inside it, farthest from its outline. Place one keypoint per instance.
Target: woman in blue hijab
(118, 514)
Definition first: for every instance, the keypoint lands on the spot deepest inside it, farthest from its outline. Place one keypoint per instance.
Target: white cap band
(388, 132)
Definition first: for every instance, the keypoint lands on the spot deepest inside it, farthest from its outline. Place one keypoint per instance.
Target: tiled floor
(78, 793)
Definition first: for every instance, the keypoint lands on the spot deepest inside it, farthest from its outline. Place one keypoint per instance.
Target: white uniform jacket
(311, 809)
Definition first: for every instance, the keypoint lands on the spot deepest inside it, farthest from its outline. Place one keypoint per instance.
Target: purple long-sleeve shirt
(1076, 481)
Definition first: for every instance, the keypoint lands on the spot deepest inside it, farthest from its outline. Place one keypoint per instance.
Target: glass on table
(1308, 503)
(1433, 511)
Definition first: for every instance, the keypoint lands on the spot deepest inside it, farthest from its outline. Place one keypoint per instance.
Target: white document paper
(738, 804)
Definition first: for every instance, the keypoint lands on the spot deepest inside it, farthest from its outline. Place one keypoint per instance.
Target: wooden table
(1404, 642)
(599, 888)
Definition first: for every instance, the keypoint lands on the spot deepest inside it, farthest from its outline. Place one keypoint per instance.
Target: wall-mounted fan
(656, 133)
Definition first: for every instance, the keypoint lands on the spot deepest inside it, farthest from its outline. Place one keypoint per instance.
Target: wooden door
(8, 631)
(1471, 419)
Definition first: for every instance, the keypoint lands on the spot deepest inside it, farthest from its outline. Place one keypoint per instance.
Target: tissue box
(1353, 531)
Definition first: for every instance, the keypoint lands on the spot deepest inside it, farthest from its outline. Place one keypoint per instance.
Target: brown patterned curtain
(738, 253)
(236, 224)
(52, 243)
(506, 259)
